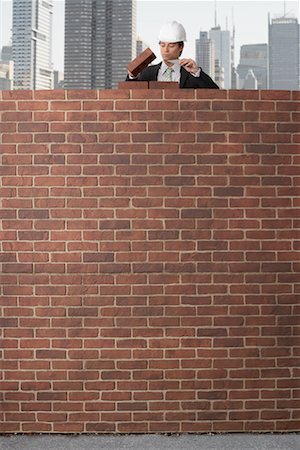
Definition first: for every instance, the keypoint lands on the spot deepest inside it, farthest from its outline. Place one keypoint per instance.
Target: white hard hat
(172, 32)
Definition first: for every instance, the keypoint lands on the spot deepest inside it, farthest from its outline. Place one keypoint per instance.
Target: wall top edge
(112, 94)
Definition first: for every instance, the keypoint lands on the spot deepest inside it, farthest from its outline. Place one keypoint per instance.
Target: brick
(230, 191)
(61, 105)
(141, 61)
(45, 94)
(227, 105)
(8, 106)
(133, 85)
(163, 85)
(17, 95)
(101, 105)
(65, 127)
(32, 106)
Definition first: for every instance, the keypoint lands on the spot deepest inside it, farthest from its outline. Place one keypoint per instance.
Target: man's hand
(189, 65)
(132, 77)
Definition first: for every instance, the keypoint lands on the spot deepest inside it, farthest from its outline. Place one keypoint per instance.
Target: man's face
(170, 50)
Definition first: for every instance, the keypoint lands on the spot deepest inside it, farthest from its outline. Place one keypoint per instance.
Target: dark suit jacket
(187, 80)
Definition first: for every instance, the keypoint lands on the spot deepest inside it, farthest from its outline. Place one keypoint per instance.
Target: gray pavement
(152, 442)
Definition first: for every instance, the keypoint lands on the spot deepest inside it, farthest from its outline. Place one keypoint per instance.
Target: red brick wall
(150, 261)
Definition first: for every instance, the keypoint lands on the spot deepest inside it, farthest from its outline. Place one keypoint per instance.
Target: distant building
(32, 44)
(6, 68)
(284, 54)
(58, 80)
(6, 53)
(205, 54)
(234, 74)
(100, 40)
(250, 80)
(235, 79)
(6, 75)
(223, 52)
(254, 57)
(140, 46)
(219, 74)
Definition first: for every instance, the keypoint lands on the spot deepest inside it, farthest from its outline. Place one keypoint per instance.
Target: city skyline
(147, 8)
(152, 13)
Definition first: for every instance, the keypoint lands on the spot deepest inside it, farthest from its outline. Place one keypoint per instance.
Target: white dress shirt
(162, 76)
(175, 75)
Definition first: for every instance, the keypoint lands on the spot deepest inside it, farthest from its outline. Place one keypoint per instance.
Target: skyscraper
(250, 80)
(6, 68)
(6, 75)
(58, 79)
(222, 41)
(140, 45)
(205, 54)
(254, 57)
(219, 74)
(100, 40)
(284, 54)
(32, 44)
(6, 53)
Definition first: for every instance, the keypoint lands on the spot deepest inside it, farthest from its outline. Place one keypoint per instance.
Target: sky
(250, 19)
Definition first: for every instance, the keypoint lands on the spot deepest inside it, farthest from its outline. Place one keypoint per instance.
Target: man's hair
(180, 43)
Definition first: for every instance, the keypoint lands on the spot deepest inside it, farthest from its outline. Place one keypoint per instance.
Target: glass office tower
(205, 54)
(100, 40)
(284, 54)
(222, 42)
(32, 44)
(253, 57)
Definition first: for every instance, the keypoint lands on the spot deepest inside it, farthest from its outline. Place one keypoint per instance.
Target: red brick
(245, 94)
(49, 116)
(8, 106)
(65, 127)
(227, 105)
(17, 95)
(32, 106)
(61, 105)
(103, 427)
(45, 94)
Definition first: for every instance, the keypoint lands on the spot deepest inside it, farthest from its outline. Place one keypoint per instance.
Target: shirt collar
(164, 67)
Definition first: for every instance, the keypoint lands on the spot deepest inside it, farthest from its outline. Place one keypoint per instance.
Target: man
(185, 71)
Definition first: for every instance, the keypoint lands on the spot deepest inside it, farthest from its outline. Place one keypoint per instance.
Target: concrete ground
(152, 442)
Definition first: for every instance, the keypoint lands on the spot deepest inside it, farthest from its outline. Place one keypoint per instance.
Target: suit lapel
(183, 77)
(154, 72)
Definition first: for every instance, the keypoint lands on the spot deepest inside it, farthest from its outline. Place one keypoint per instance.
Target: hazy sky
(250, 19)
